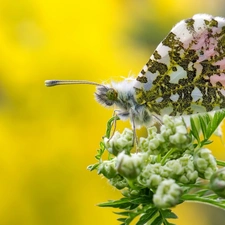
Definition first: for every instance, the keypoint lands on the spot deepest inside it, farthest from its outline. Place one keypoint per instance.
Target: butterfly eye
(105, 95)
(111, 94)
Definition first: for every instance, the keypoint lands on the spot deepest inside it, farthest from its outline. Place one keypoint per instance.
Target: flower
(120, 142)
(205, 163)
(108, 168)
(130, 166)
(167, 194)
(217, 182)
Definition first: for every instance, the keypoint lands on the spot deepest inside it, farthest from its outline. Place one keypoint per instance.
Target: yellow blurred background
(48, 136)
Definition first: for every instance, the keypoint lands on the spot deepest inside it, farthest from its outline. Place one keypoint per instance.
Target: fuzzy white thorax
(126, 106)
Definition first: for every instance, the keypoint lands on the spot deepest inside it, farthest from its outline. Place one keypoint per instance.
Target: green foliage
(206, 125)
(140, 206)
(203, 195)
(176, 149)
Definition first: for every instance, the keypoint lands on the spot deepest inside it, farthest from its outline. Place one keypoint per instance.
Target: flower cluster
(165, 162)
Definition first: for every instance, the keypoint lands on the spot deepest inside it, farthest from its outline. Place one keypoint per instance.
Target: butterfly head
(106, 96)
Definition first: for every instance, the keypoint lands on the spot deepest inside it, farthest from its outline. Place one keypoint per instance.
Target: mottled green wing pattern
(186, 73)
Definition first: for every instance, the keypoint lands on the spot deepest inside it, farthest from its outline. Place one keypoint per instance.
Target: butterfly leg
(114, 124)
(135, 139)
(157, 122)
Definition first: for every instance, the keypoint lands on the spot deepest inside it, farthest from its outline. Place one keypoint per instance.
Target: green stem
(220, 163)
(170, 152)
(213, 202)
(110, 124)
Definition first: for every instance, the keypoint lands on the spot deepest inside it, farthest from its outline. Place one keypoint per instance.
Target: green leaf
(215, 122)
(206, 142)
(93, 166)
(194, 128)
(123, 213)
(168, 223)
(121, 219)
(205, 124)
(147, 216)
(142, 200)
(167, 213)
(202, 120)
(133, 206)
(121, 204)
(204, 196)
(158, 221)
(128, 220)
(110, 124)
(130, 217)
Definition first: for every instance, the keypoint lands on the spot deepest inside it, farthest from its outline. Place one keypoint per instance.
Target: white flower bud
(178, 138)
(108, 168)
(154, 181)
(120, 142)
(217, 182)
(150, 176)
(205, 163)
(167, 120)
(130, 166)
(118, 182)
(167, 194)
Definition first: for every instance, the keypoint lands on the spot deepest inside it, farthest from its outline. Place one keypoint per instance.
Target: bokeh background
(48, 136)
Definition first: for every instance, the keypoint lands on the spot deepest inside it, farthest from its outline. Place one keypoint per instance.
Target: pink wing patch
(214, 79)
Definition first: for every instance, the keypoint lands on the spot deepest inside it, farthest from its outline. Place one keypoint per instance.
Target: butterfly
(185, 75)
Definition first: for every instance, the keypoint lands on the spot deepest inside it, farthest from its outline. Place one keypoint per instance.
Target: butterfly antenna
(51, 83)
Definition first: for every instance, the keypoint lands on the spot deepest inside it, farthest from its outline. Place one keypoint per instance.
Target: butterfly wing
(186, 73)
